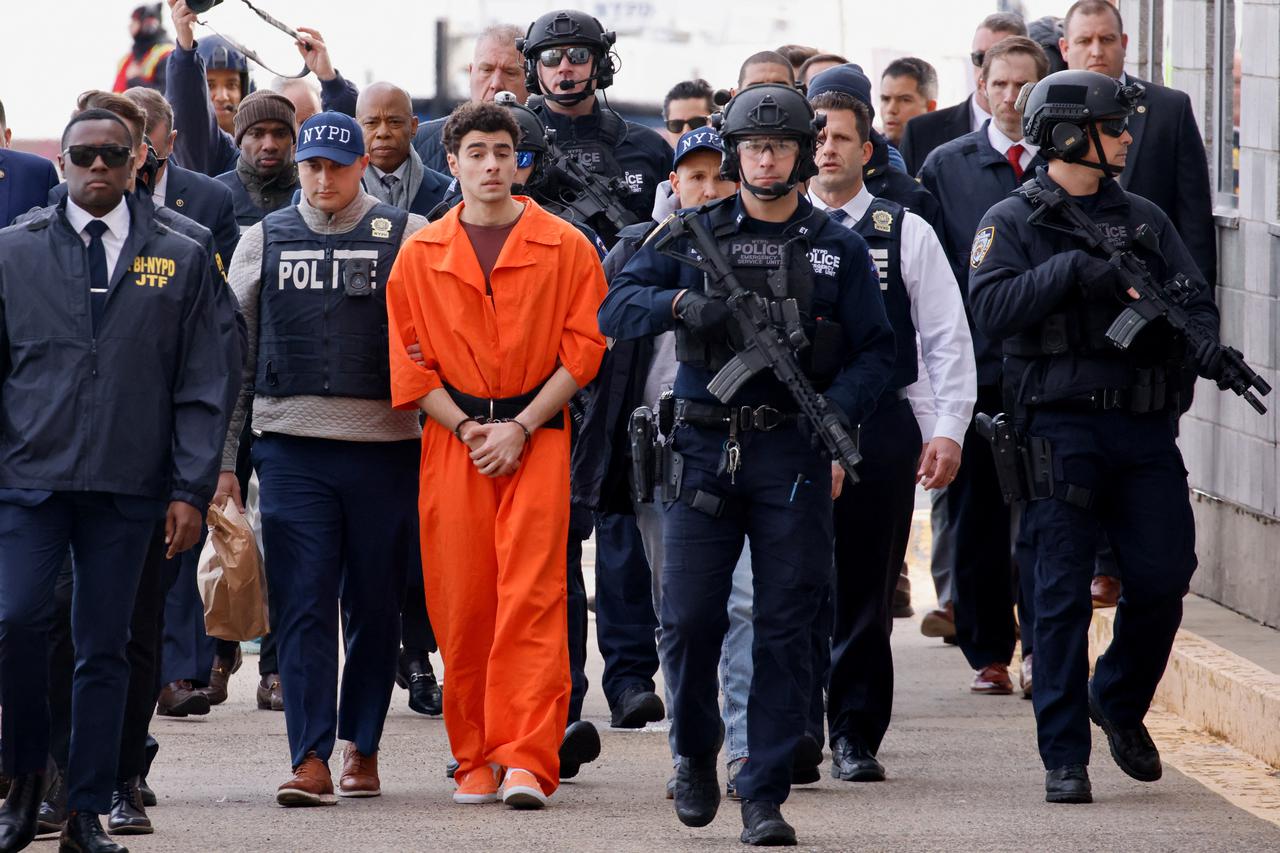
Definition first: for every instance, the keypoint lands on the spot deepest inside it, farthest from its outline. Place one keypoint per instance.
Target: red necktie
(1014, 155)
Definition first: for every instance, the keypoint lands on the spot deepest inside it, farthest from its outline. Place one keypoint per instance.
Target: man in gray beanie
(265, 176)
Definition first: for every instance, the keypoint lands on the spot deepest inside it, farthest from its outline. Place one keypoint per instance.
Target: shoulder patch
(981, 245)
(882, 220)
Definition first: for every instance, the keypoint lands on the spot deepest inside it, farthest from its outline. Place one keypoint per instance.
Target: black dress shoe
(697, 792)
(1133, 750)
(764, 826)
(83, 834)
(53, 810)
(148, 796)
(806, 761)
(581, 745)
(20, 813)
(637, 708)
(1068, 784)
(128, 817)
(853, 762)
(414, 673)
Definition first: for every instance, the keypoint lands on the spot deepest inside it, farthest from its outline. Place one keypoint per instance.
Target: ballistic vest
(322, 326)
(881, 227)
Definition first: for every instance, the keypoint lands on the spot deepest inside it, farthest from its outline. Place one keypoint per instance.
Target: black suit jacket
(925, 133)
(201, 198)
(1167, 165)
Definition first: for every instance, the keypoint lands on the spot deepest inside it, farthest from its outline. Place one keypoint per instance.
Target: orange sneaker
(478, 786)
(520, 790)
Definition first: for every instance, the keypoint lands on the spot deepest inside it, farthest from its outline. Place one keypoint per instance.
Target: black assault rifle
(1155, 300)
(764, 346)
(589, 194)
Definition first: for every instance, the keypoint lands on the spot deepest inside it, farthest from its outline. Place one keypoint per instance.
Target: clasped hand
(496, 447)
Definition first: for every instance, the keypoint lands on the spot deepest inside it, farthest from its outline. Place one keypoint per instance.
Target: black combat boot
(697, 791)
(1132, 748)
(764, 826)
(1068, 784)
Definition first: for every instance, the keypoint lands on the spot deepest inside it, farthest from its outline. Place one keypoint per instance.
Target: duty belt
(1139, 400)
(744, 418)
(485, 409)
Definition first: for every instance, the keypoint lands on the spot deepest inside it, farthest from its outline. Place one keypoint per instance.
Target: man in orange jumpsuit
(501, 297)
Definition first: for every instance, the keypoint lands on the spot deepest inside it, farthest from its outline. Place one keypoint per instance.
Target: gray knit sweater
(342, 418)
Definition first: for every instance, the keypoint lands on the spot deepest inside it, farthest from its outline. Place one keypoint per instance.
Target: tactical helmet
(220, 55)
(533, 137)
(769, 109)
(561, 28)
(1060, 113)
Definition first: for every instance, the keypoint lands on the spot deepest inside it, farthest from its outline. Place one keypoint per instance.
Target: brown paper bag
(231, 578)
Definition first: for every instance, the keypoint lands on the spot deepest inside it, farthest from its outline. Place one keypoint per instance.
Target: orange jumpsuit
(493, 549)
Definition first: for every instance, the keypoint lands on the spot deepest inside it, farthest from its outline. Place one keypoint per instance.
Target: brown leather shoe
(311, 785)
(1024, 677)
(220, 677)
(902, 596)
(359, 774)
(940, 622)
(270, 697)
(992, 679)
(179, 699)
(1105, 591)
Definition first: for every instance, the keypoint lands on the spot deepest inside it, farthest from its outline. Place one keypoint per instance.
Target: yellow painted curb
(1213, 689)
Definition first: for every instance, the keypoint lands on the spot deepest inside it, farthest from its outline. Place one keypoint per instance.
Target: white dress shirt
(161, 187)
(1002, 143)
(112, 239)
(977, 115)
(942, 398)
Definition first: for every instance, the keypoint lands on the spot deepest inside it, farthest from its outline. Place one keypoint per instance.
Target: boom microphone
(566, 85)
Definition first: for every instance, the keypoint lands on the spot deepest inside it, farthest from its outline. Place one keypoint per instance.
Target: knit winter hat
(264, 106)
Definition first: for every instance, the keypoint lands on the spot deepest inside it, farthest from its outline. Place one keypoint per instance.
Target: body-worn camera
(357, 277)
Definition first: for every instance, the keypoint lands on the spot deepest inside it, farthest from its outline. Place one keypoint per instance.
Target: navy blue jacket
(430, 144)
(1167, 165)
(846, 289)
(885, 181)
(201, 145)
(599, 468)
(933, 130)
(25, 181)
(138, 406)
(1022, 273)
(968, 177)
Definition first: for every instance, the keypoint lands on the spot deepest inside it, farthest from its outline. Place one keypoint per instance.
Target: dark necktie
(98, 275)
(1014, 155)
(390, 182)
(837, 215)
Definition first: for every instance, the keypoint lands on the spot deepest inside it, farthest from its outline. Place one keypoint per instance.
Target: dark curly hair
(483, 116)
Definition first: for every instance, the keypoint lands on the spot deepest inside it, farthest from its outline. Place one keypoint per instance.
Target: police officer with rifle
(608, 168)
(1100, 307)
(783, 346)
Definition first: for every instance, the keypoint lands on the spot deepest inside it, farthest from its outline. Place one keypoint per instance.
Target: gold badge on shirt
(882, 220)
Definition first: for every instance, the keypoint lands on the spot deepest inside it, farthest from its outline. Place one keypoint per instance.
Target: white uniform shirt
(942, 398)
(112, 239)
(977, 115)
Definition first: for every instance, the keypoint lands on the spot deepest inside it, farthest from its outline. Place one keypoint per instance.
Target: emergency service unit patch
(381, 227)
(981, 245)
(882, 220)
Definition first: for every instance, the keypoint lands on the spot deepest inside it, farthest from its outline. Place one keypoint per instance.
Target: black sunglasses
(677, 125)
(1114, 127)
(577, 55)
(84, 156)
(976, 57)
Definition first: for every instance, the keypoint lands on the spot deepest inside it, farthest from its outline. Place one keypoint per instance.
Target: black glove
(702, 314)
(1207, 359)
(1099, 281)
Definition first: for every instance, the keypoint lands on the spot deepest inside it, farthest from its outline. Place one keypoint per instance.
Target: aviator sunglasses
(113, 156)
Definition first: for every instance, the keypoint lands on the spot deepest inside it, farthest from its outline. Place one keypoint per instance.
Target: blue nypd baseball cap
(707, 138)
(333, 136)
(847, 79)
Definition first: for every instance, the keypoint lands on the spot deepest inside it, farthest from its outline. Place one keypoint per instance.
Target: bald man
(396, 174)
